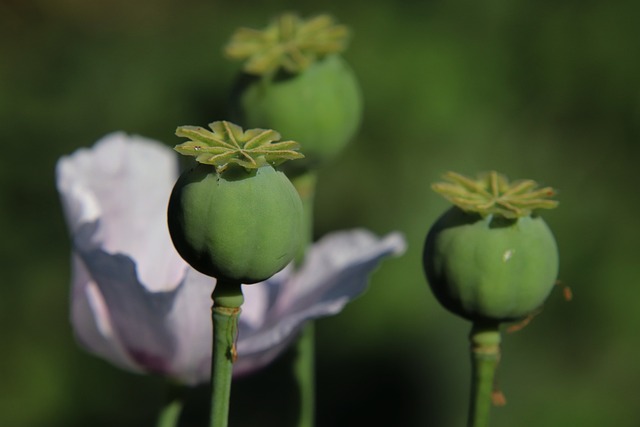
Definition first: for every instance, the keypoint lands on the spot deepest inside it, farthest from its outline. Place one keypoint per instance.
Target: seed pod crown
(289, 42)
(227, 144)
(492, 194)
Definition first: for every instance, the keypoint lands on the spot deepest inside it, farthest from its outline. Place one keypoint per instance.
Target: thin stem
(304, 373)
(485, 354)
(306, 186)
(304, 362)
(227, 299)
(169, 415)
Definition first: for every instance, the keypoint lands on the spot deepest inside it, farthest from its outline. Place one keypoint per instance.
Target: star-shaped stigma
(289, 42)
(492, 194)
(229, 144)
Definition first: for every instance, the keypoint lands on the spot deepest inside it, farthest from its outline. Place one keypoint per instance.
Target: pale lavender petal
(92, 322)
(138, 316)
(123, 184)
(338, 265)
(336, 270)
(114, 197)
(189, 321)
(249, 363)
(259, 299)
(261, 348)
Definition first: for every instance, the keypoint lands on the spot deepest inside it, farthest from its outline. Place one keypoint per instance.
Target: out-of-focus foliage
(542, 90)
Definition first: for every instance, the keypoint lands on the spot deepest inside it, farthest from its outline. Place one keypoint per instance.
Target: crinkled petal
(260, 298)
(123, 184)
(189, 321)
(91, 320)
(138, 317)
(336, 270)
(336, 266)
(125, 270)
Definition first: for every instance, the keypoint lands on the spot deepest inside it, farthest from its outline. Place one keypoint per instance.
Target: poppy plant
(138, 305)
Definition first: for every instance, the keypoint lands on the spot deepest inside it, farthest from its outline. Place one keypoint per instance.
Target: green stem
(227, 299)
(304, 363)
(304, 372)
(485, 354)
(306, 186)
(169, 416)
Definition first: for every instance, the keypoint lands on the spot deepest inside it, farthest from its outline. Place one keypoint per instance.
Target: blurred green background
(548, 90)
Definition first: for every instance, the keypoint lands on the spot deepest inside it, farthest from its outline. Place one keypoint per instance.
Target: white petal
(338, 265)
(91, 320)
(336, 270)
(124, 183)
(138, 316)
(260, 297)
(190, 323)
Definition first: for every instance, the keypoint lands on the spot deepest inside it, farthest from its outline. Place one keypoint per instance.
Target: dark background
(547, 90)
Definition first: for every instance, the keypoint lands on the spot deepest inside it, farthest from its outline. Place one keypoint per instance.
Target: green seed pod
(320, 107)
(295, 81)
(490, 268)
(235, 217)
(238, 225)
(489, 258)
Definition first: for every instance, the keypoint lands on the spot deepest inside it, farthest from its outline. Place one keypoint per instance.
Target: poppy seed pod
(238, 225)
(294, 80)
(490, 268)
(320, 106)
(488, 258)
(233, 216)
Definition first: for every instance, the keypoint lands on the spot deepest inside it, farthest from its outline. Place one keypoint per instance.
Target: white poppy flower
(137, 304)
